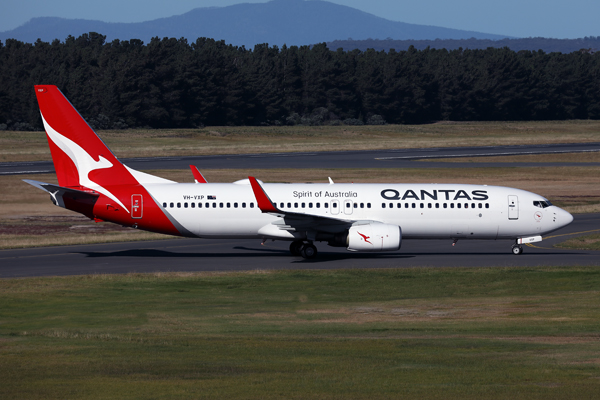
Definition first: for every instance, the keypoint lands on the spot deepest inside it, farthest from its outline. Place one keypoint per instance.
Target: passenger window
(437, 205)
(480, 205)
(235, 205)
(355, 205)
(193, 205)
(458, 205)
(178, 205)
(399, 205)
(295, 205)
(382, 205)
(368, 205)
(199, 205)
(228, 205)
(281, 205)
(309, 205)
(325, 205)
(428, 205)
(243, 205)
(214, 205)
(164, 205)
(445, 205)
(451, 205)
(422, 205)
(487, 205)
(414, 205)
(184, 205)
(251, 205)
(221, 205)
(362, 205)
(334, 205)
(303, 205)
(207, 205)
(289, 205)
(318, 205)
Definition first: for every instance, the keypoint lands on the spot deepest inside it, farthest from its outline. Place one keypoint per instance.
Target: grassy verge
(589, 242)
(30, 146)
(354, 334)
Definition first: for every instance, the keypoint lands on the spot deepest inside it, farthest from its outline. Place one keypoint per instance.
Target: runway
(398, 158)
(235, 255)
(192, 255)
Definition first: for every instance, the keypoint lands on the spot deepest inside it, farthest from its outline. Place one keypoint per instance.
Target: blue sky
(519, 18)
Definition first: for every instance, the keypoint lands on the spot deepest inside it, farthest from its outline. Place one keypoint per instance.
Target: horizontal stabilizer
(53, 189)
(71, 199)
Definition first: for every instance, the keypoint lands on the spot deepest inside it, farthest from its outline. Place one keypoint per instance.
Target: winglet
(262, 199)
(197, 175)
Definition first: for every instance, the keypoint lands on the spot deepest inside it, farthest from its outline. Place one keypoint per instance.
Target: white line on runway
(524, 153)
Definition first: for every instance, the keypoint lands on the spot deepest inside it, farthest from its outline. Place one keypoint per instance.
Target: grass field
(588, 242)
(495, 333)
(499, 333)
(30, 146)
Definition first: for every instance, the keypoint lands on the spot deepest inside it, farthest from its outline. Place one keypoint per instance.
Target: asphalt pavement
(193, 255)
(398, 158)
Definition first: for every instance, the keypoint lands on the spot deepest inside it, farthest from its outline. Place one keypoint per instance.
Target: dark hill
(293, 22)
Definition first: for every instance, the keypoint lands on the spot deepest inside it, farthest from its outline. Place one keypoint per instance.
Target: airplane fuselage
(360, 217)
(423, 211)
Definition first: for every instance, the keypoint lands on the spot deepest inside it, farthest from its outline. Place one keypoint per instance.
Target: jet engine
(374, 237)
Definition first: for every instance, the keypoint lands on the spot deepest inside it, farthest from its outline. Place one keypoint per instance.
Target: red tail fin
(75, 147)
(80, 157)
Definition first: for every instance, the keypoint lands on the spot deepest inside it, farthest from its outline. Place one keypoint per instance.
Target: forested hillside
(588, 43)
(171, 83)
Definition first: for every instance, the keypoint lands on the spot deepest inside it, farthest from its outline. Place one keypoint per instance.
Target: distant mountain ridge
(278, 22)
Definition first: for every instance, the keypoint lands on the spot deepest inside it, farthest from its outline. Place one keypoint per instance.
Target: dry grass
(589, 242)
(438, 333)
(29, 146)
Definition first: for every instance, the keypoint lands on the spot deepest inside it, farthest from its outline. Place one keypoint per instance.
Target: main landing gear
(517, 249)
(305, 250)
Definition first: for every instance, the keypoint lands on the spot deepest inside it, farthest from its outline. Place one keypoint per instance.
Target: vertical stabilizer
(80, 157)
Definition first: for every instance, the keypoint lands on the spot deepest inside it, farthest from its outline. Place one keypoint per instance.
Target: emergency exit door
(513, 207)
(137, 206)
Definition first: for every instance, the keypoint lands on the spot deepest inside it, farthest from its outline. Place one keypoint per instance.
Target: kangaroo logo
(82, 160)
(365, 237)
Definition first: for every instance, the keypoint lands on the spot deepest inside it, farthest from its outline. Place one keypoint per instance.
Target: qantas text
(446, 194)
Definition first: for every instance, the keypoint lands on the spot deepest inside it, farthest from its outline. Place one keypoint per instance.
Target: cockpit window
(541, 203)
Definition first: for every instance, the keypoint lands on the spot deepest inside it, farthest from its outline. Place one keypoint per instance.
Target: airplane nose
(564, 217)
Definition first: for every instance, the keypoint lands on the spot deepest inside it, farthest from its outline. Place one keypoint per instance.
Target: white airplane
(360, 217)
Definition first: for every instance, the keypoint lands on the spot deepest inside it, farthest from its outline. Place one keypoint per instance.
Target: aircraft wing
(299, 222)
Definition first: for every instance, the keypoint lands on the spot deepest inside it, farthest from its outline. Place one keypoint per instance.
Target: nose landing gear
(517, 249)
(305, 250)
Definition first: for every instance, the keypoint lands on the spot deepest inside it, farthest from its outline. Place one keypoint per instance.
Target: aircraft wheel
(295, 247)
(517, 250)
(308, 251)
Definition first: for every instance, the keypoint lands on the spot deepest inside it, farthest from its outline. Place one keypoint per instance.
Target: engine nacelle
(374, 237)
